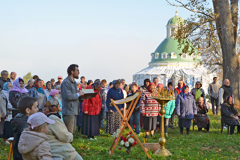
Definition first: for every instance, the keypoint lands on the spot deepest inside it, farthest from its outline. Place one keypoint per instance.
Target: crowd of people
(43, 118)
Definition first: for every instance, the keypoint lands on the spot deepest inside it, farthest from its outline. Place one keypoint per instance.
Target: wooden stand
(124, 124)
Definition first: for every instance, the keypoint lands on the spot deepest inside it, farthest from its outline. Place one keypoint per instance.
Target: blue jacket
(169, 109)
(186, 107)
(115, 94)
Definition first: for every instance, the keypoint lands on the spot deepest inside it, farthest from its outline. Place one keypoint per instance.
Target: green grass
(213, 145)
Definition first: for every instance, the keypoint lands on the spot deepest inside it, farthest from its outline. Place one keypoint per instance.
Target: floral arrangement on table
(127, 141)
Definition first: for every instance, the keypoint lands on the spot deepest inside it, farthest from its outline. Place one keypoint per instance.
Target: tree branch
(184, 6)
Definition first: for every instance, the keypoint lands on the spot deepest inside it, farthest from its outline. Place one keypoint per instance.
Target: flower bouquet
(128, 142)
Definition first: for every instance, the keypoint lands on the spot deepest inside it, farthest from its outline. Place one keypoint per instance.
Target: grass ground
(213, 145)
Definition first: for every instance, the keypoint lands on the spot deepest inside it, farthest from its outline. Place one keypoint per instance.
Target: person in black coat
(202, 118)
(17, 92)
(26, 106)
(230, 115)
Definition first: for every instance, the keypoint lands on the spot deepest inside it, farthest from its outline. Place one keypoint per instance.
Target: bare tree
(213, 31)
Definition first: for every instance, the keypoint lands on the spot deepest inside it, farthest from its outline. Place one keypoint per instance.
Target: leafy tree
(213, 31)
(27, 77)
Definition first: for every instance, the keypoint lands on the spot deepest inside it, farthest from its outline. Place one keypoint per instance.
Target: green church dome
(175, 20)
(169, 51)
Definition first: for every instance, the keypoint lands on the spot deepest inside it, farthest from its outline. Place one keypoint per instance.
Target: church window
(173, 55)
(164, 55)
(193, 56)
(172, 32)
(184, 56)
(156, 55)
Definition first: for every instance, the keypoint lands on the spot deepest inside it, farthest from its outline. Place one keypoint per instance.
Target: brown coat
(34, 146)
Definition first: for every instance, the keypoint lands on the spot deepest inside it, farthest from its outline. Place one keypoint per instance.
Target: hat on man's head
(60, 77)
(37, 119)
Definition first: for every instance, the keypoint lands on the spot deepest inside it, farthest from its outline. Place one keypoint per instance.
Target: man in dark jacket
(70, 98)
(225, 91)
(4, 78)
(26, 106)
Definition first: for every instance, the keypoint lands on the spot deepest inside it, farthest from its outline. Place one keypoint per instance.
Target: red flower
(125, 139)
(134, 143)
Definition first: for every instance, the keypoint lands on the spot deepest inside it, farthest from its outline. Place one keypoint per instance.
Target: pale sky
(109, 39)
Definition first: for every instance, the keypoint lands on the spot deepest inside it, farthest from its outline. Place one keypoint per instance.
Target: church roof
(169, 51)
(175, 20)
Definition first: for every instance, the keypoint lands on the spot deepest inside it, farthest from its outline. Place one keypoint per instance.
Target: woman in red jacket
(91, 109)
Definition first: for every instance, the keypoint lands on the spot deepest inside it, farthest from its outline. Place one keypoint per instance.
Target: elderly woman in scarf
(58, 136)
(54, 94)
(17, 92)
(91, 109)
(30, 84)
(150, 110)
(186, 109)
(177, 91)
(230, 115)
(113, 117)
(38, 93)
(201, 118)
(7, 131)
(198, 92)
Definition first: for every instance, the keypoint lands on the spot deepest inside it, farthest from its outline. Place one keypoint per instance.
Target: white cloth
(221, 92)
(125, 96)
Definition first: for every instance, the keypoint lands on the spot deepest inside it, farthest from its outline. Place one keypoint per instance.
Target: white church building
(168, 62)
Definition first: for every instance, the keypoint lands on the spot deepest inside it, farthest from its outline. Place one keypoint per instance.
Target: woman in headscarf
(58, 136)
(198, 92)
(150, 110)
(30, 84)
(38, 92)
(7, 131)
(230, 115)
(54, 94)
(202, 118)
(114, 118)
(160, 88)
(169, 108)
(17, 92)
(58, 87)
(91, 109)
(177, 91)
(186, 109)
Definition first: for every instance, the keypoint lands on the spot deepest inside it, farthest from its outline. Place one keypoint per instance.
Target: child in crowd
(26, 106)
(135, 118)
(169, 109)
(33, 143)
